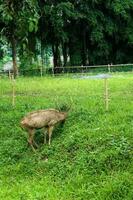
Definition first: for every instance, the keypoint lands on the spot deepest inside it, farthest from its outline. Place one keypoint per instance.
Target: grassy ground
(91, 157)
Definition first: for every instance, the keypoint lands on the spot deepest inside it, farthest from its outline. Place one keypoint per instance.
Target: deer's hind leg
(45, 135)
(31, 138)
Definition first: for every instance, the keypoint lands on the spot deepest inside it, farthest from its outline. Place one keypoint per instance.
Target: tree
(57, 16)
(88, 31)
(17, 20)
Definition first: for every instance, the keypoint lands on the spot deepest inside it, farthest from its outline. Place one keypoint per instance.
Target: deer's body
(42, 119)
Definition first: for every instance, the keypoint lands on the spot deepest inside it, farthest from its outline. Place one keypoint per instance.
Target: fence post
(53, 71)
(109, 68)
(106, 94)
(9, 74)
(41, 71)
(13, 90)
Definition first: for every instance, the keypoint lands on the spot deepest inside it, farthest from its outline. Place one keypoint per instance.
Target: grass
(91, 157)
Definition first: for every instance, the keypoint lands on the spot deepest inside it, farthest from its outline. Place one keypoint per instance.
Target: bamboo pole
(53, 71)
(106, 94)
(13, 91)
(41, 68)
(109, 68)
(9, 74)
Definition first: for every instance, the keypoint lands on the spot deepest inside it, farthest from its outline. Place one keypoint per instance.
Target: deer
(42, 119)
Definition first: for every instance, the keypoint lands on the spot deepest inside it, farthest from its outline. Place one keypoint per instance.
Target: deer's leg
(30, 139)
(50, 129)
(35, 143)
(45, 135)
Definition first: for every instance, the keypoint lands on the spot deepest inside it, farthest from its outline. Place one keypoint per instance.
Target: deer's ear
(69, 108)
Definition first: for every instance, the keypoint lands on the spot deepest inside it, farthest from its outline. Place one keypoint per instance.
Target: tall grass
(90, 158)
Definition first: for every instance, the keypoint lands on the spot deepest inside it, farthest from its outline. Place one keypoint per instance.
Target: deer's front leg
(35, 143)
(45, 135)
(50, 129)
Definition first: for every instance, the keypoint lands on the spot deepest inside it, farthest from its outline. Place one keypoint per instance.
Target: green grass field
(90, 158)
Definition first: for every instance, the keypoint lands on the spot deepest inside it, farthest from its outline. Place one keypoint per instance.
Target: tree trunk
(56, 58)
(64, 50)
(84, 49)
(1, 52)
(42, 54)
(71, 52)
(14, 57)
(32, 48)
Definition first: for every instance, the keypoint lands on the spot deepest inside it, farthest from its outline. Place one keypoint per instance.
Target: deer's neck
(63, 116)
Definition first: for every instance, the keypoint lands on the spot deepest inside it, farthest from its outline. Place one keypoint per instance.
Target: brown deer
(42, 119)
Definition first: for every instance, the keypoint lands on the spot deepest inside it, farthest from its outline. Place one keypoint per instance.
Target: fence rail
(71, 69)
(97, 66)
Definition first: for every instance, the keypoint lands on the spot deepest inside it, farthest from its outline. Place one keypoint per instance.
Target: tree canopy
(85, 31)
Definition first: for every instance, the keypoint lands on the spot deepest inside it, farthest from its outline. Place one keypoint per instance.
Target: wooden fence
(104, 95)
(42, 71)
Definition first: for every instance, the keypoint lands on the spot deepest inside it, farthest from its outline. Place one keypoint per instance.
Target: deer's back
(41, 118)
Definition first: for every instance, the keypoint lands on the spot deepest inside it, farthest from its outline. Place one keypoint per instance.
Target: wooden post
(106, 94)
(41, 71)
(82, 69)
(13, 91)
(109, 68)
(53, 71)
(9, 74)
